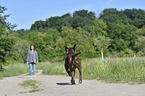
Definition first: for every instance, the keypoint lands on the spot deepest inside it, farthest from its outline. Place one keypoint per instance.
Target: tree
(99, 27)
(134, 17)
(21, 32)
(82, 18)
(137, 16)
(50, 39)
(20, 49)
(113, 15)
(102, 42)
(140, 44)
(6, 41)
(125, 34)
(38, 25)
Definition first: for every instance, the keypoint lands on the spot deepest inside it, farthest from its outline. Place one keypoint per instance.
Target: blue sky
(25, 12)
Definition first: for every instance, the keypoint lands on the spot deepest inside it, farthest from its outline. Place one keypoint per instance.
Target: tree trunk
(1, 67)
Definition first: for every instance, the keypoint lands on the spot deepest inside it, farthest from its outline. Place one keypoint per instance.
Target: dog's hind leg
(73, 78)
(80, 74)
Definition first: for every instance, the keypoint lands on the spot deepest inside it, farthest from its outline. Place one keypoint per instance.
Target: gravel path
(57, 85)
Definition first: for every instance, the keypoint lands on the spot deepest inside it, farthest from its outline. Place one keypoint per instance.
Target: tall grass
(119, 70)
(14, 70)
(116, 70)
(51, 68)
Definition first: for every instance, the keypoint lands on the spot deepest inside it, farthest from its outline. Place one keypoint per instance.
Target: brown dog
(72, 61)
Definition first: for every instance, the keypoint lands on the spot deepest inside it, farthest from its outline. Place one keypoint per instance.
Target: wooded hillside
(116, 31)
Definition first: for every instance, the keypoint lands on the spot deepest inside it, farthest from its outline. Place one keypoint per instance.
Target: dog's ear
(65, 48)
(74, 47)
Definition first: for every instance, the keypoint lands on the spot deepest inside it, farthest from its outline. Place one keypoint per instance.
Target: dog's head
(68, 50)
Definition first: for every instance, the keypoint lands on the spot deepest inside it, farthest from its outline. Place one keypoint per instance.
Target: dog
(72, 61)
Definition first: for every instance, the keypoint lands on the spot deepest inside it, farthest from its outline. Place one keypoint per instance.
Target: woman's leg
(30, 66)
(34, 69)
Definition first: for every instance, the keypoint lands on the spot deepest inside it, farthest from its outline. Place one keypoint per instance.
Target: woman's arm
(37, 57)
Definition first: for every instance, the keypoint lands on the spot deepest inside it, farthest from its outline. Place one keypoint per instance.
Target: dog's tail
(76, 54)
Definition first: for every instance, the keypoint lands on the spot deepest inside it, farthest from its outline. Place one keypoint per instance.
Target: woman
(32, 59)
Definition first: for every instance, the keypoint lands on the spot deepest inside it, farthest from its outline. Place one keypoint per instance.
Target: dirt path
(60, 86)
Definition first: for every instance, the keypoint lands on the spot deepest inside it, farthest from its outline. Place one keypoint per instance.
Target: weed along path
(58, 85)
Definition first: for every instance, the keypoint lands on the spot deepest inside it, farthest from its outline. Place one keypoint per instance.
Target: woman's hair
(32, 45)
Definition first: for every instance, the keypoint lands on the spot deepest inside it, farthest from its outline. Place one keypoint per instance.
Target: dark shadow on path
(63, 84)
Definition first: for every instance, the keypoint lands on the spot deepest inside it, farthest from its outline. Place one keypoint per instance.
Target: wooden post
(102, 55)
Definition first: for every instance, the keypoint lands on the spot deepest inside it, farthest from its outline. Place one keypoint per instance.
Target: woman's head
(32, 47)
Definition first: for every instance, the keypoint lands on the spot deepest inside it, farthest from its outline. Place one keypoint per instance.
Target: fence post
(102, 54)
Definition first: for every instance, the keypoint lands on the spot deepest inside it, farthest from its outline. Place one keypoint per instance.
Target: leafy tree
(66, 20)
(58, 22)
(137, 16)
(140, 44)
(54, 22)
(20, 49)
(38, 25)
(6, 41)
(99, 27)
(125, 34)
(119, 44)
(134, 17)
(102, 42)
(21, 32)
(113, 15)
(50, 38)
(82, 18)
(141, 31)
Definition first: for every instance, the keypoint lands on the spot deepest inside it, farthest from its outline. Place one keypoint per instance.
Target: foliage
(132, 16)
(102, 42)
(99, 27)
(140, 44)
(123, 35)
(79, 19)
(21, 32)
(20, 49)
(6, 41)
(127, 52)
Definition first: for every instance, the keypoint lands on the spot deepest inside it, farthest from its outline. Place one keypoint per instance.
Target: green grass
(14, 70)
(119, 70)
(33, 84)
(51, 68)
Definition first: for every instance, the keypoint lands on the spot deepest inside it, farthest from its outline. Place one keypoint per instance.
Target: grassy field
(117, 70)
(14, 70)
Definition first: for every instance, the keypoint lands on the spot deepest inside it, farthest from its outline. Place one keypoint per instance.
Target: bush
(127, 52)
